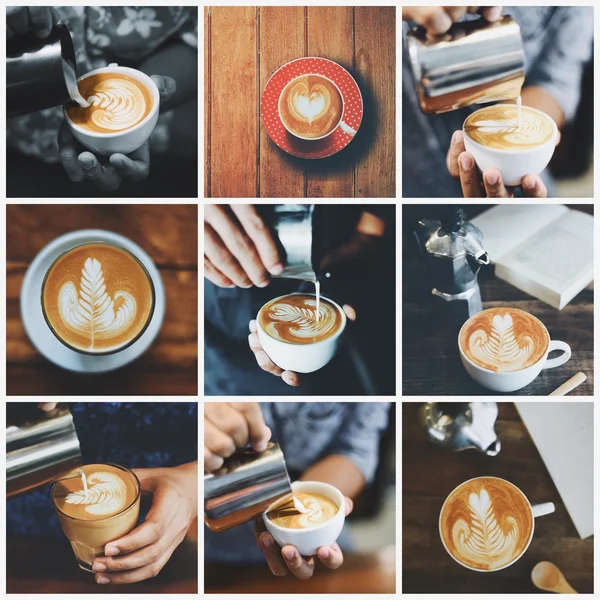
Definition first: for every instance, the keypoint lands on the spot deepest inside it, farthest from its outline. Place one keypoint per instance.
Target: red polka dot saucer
(340, 137)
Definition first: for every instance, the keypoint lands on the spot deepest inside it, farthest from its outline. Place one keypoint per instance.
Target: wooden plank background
(244, 46)
(430, 473)
(169, 234)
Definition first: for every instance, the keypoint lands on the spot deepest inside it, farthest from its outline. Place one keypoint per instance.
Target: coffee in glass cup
(98, 510)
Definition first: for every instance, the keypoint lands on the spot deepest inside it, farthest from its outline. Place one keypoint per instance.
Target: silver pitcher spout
(461, 425)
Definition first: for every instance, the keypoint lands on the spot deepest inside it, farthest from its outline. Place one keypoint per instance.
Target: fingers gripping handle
(559, 360)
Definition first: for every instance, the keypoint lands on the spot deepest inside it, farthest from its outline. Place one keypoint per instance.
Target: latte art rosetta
(486, 523)
(504, 340)
(498, 127)
(294, 319)
(106, 494)
(117, 102)
(319, 510)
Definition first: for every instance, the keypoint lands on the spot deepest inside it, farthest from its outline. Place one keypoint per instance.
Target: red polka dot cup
(311, 107)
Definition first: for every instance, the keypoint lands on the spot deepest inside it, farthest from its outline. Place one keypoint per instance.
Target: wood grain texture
(234, 101)
(168, 233)
(244, 47)
(430, 473)
(207, 101)
(430, 358)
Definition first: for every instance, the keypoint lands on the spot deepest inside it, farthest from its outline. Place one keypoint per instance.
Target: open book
(546, 250)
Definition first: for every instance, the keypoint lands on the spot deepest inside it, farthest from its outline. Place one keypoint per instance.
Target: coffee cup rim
(313, 344)
(551, 141)
(321, 485)
(135, 74)
(121, 512)
(504, 373)
(312, 139)
(124, 346)
(528, 541)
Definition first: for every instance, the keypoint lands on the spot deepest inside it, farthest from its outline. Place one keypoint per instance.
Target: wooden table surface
(244, 46)
(168, 233)
(37, 565)
(430, 358)
(430, 473)
(360, 574)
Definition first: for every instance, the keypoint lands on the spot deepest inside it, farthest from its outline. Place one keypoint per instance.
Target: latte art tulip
(106, 494)
(117, 102)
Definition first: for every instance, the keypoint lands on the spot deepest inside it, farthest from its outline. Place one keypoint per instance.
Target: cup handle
(539, 510)
(559, 360)
(347, 129)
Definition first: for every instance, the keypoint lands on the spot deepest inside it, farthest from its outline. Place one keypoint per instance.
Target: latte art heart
(117, 102)
(498, 127)
(319, 510)
(310, 106)
(504, 339)
(486, 523)
(294, 319)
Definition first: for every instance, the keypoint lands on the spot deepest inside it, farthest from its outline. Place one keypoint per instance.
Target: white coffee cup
(537, 510)
(125, 141)
(513, 164)
(301, 358)
(510, 381)
(340, 125)
(308, 541)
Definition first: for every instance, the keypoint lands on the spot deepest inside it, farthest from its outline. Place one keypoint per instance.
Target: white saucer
(40, 334)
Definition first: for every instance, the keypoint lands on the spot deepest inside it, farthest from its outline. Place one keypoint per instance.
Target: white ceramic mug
(537, 510)
(510, 381)
(513, 164)
(125, 141)
(340, 125)
(308, 541)
(301, 358)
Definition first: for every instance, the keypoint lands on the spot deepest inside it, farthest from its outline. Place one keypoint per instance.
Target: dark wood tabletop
(360, 574)
(37, 565)
(430, 358)
(244, 46)
(430, 473)
(169, 234)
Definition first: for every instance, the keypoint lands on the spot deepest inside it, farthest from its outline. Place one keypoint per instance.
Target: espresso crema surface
(498, 127)
(117, 102)
(504, 339)
(110, 490)
(97, 298)
(486, 523)
(294, 319)
(310, 106)
(319, 510)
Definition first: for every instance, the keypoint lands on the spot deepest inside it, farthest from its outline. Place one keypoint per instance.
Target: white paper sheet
(564, 435)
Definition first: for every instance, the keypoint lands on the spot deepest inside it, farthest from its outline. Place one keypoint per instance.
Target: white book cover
(545, 250)
(563, 433)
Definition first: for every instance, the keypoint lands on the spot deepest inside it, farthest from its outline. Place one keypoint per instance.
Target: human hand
(266, 364)
(438, 19)
(143, 552)
(108, 174)
(488, 184)
(239, 249)
(232, 425)
(288, 559)
(38, 20)
(47, 406)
